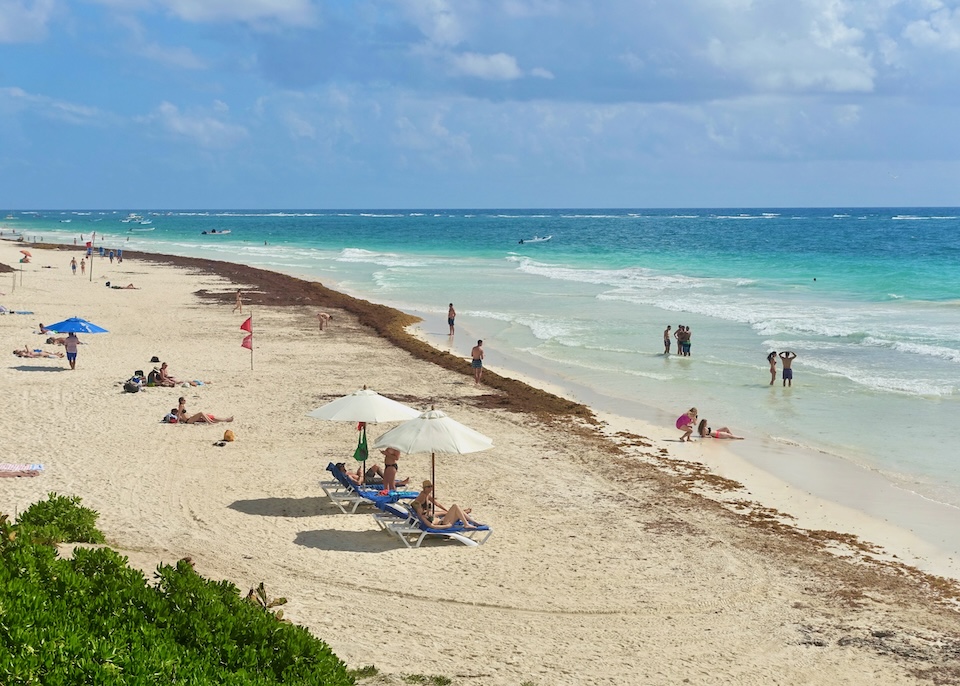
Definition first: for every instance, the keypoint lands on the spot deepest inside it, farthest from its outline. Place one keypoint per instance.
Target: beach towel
(9, 469)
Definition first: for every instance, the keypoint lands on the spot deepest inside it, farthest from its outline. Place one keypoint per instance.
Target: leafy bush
(61, 518)
(94, 619)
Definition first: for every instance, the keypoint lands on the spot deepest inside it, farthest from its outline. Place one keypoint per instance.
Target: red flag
(247, 342)
(247, 325)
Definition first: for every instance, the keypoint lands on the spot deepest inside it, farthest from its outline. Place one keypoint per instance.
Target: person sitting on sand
(184, 417)
(163, 378)
(441, 517)
(723, 432)
(373, 475)
(26, 352)
(44, 329)
(685, 423)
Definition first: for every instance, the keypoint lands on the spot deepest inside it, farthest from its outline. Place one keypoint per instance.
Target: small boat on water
(139, 230)
(214, 232)
(535, 239)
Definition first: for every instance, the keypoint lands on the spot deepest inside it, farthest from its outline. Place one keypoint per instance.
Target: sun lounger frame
(401, 522)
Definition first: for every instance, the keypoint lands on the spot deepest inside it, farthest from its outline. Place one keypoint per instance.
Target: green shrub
(61, 518)
(94, 619)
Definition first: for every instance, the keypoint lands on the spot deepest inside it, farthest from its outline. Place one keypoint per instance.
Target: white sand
(601, 569)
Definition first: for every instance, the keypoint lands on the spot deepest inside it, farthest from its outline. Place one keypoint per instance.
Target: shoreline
(642, 558)
(861, 502)
(881, 523)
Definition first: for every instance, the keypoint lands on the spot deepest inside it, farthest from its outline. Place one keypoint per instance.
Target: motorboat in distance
(214, 232)
(535, 239)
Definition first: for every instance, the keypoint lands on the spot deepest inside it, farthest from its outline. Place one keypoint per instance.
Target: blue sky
(154, 104)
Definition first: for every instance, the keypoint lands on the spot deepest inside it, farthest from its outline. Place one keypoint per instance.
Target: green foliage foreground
(93, 619)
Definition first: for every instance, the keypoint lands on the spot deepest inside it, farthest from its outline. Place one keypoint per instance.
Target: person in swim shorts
(477, 362)
(787, 357)
(666, 340)
(451, 315)
(70, 344)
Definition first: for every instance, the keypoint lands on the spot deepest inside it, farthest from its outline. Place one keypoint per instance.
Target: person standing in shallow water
(772, 359)
(787, 357)
(477, 362)
(451, 316)
(666, 340)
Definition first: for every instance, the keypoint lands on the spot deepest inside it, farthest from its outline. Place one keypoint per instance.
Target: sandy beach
(616, 557)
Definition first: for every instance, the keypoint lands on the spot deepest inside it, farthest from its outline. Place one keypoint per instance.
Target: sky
(203, 104)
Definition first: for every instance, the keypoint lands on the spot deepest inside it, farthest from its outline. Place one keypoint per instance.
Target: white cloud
(941, 30)
(436, 19)
(541, 73)
(499, 67)
(290, 12)
(203, 128)
(23, 21)
(18, 100)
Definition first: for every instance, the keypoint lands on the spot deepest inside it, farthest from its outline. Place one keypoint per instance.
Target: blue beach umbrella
(75, 325)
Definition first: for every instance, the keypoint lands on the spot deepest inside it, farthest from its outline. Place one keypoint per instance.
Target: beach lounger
(403, 523)
(346, 495)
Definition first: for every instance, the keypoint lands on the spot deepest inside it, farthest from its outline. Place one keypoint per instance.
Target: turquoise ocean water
(868, 298)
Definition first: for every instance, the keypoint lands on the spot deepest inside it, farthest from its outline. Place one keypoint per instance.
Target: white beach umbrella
(365, 406)
(434, 432)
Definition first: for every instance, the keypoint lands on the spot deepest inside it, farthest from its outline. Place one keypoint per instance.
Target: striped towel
(11, 469)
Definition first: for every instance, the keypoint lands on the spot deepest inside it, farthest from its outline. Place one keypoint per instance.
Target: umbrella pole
(433, 480)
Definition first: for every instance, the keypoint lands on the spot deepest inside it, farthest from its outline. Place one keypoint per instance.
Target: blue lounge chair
(348, 496)
(403, 522)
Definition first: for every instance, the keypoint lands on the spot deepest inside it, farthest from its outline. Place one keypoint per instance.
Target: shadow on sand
(285, 507)
(373, 541)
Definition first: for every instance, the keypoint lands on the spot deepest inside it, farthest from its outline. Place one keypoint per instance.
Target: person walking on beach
(239, 305)
(73, 265)
(666, 340)
(70, 344)
(787, 357)
(451, 315)
(477, 362)
(83, 266)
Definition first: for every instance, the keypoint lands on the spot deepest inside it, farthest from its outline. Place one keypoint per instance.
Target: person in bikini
(183, 417)
(441, 517)
(389, 473)
(772, 359)
(723, 432)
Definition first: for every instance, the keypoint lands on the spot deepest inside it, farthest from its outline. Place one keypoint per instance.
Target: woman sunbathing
(723, 432)
(184, 417)
(373, 475)
(26, 352)
(442, 517)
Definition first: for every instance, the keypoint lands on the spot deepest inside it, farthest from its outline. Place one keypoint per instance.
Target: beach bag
(131, 386)
(228, 436)
(153, 377)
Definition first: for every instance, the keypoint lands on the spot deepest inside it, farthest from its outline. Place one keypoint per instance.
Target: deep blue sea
(869, 299)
